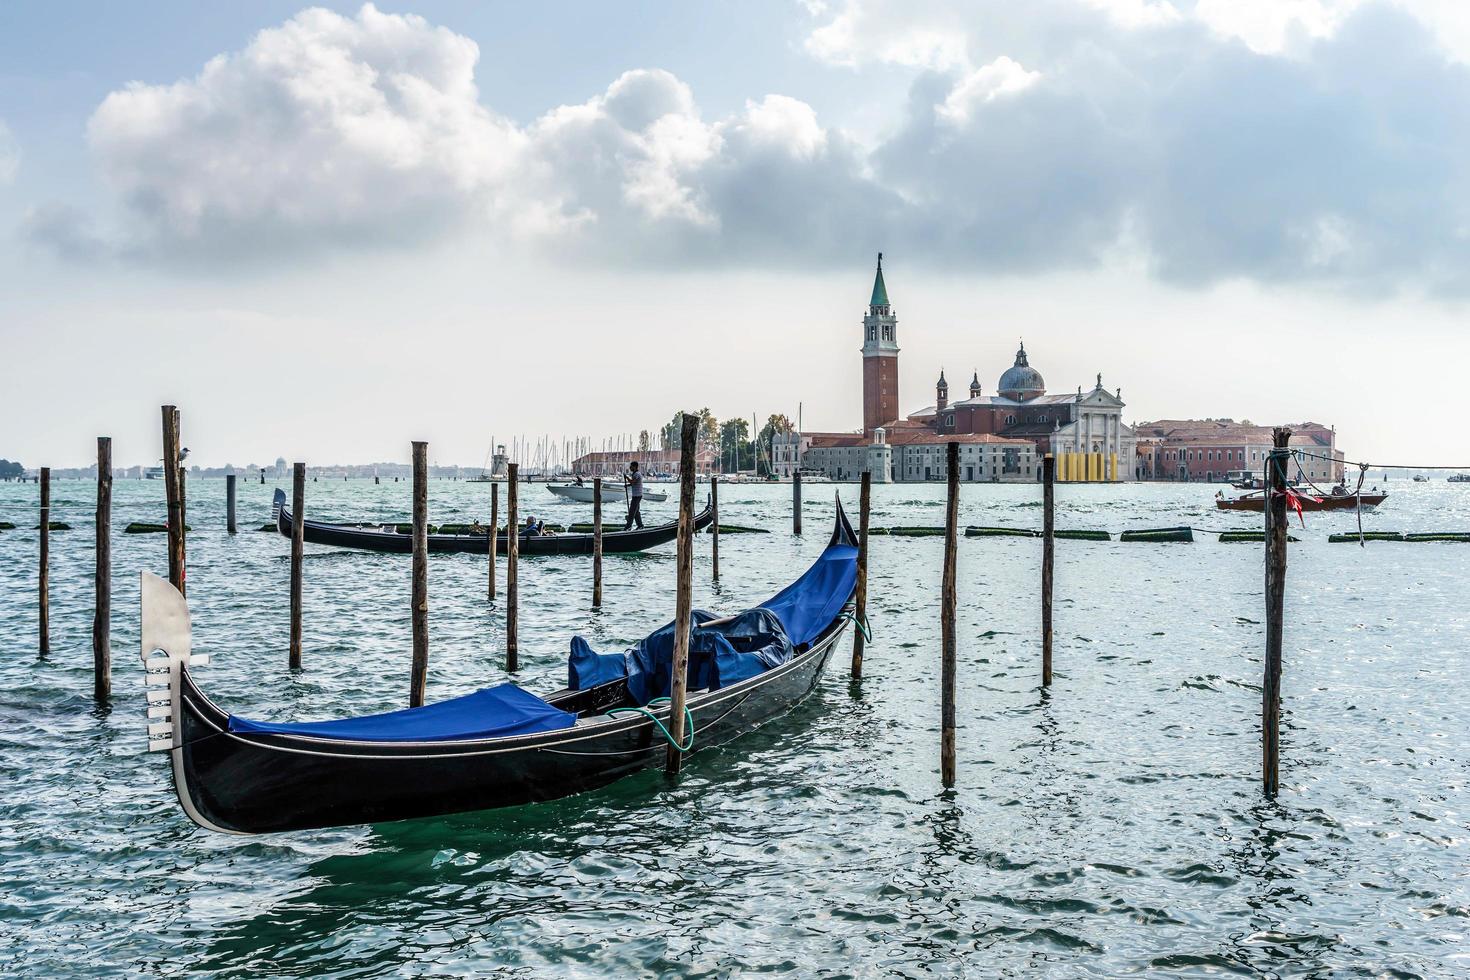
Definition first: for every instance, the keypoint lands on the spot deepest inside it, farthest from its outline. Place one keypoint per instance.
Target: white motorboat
(611, 493)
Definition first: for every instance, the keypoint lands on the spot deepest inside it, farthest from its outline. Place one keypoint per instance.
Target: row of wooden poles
(1275, 584)
(1275, 589)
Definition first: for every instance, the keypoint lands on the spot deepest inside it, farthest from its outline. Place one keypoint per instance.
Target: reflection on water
(1110, 825)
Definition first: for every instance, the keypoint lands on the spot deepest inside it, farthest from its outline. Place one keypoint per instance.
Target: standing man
(634, 482)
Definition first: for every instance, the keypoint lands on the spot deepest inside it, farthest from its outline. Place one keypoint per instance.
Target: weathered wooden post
(494, 533)
(102, 615)
(512, 556)
(714, 527)
(597, 542)
(946, 619)
(173, 491)
(45, 557)
(860, 598)
(183, 499)
(1048, 556)
(298, 547)
(1275, 609)
(683, 602)
(419, 679)
(229, 503)
(796, 501)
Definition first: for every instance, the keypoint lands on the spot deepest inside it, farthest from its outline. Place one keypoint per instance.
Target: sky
(326, 231)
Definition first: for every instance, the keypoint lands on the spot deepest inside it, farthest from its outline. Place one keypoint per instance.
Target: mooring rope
(862, 625)
(636, 710)
(1381, 466)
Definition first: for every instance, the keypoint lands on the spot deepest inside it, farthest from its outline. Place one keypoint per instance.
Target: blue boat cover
(808, 605)
(754, 641)
(494, 712)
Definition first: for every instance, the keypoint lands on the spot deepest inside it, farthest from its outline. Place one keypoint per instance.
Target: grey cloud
(1339, 162)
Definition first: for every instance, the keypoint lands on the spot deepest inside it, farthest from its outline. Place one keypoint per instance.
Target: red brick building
(1207, 450)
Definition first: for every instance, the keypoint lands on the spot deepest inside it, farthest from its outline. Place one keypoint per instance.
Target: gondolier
(634, 483)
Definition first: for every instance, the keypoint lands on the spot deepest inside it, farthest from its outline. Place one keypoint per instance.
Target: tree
(11, 470)
(645, 441)
(709, 430)
(734, 443)
(668, 436)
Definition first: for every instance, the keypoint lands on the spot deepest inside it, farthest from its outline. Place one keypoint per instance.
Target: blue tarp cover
(809, 604)
(495, 712)
(752, 642)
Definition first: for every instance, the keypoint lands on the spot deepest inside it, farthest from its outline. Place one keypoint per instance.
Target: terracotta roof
(916, 438)
(832, 440)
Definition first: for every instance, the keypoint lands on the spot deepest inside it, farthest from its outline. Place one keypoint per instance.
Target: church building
(1002, 436)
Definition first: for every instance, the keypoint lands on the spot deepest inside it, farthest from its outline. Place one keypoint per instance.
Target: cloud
(9, 155)
(1315, 141)
(325, 130)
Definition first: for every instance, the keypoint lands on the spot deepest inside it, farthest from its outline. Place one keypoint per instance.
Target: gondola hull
(375, 539)
(253, 784)
(238, 776)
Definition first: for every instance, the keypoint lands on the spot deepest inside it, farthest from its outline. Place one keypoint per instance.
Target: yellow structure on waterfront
(1087, 467)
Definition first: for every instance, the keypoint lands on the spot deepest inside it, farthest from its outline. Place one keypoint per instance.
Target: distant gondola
(386, 537)
(501, 746)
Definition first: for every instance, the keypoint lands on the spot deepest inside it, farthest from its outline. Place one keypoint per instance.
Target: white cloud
(326, 127)
(9, 155)
(987, 83)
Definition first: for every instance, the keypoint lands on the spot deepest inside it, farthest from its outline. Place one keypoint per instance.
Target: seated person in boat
(534, 528)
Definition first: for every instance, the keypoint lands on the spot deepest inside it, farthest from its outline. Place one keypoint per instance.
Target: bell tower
(880, 358)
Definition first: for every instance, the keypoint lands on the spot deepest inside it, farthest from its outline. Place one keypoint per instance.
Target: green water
(1111, 826)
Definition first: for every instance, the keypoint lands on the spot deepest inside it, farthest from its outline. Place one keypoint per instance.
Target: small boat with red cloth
(1340, 498)
(499, 746)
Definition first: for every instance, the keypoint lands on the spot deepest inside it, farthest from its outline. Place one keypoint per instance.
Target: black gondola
(386, 537)
(497, 747)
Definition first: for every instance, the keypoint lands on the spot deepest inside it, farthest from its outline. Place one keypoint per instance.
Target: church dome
(1021, 381)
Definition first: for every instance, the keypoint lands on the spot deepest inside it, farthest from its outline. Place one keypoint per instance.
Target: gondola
(386, 537)
(498, 747)
(1337, 501)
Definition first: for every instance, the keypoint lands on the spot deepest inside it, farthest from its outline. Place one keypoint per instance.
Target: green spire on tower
(880, 291)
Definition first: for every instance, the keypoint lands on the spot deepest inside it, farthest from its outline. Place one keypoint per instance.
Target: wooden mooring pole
(1276, 464)
(44, 615)
(946, 619)
(597, 543)
(860, 595)
(796, 502)
(1048, 558)
(298, 548)
(230, 503)
(512, 556)
(419, 679)
(173, 491)
(683, 601)
(102, 614)
(494, 533)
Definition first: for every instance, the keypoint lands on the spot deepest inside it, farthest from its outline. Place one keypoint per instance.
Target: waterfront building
(1208, 450)
(1002, 436)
